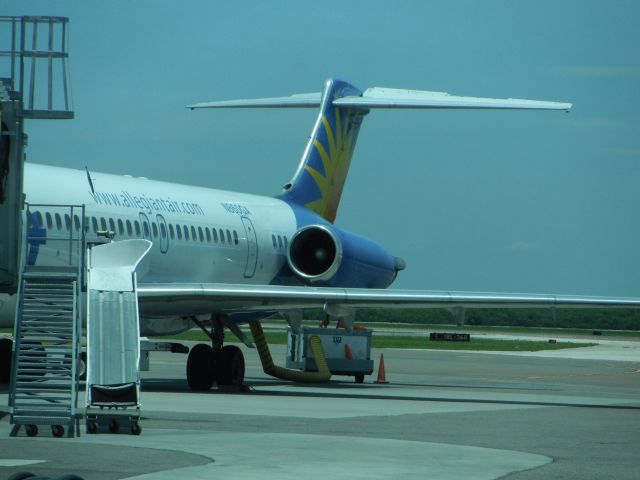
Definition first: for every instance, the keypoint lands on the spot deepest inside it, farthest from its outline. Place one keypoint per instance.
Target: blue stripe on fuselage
(36, 236)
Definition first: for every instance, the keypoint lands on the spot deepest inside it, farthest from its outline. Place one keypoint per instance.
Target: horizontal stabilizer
(299, 100)
(377, 97)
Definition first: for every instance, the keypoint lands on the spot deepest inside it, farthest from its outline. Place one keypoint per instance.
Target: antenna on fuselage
(89, 179)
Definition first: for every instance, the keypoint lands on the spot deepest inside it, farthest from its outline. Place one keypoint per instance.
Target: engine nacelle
(324, 255)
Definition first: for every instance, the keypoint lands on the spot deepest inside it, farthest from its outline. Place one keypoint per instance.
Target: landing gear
(200, 367)
(230, 366)
(217, 363)
(5, 360)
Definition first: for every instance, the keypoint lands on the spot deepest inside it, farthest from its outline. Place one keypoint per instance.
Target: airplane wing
(208, 297)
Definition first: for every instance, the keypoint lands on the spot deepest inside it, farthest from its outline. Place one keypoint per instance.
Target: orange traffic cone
(381, 374)
(347, 352)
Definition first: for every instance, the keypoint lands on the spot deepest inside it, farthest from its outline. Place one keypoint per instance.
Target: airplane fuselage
(198, 234)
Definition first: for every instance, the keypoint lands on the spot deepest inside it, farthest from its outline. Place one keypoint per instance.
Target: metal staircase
(45, 384)
(48, 326)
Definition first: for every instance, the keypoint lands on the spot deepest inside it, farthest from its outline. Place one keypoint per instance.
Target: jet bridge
(33, 84)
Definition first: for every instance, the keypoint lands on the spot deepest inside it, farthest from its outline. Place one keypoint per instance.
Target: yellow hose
(322, 375)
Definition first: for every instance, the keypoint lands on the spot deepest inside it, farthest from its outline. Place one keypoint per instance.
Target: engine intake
(315, 253)
(326, 255)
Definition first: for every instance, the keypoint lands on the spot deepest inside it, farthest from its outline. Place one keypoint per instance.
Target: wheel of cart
(113, 409)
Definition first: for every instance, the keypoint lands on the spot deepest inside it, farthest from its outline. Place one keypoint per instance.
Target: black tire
(21, 476)
(136, 429)
(230, 366)
(201, 367)
(82, 366)
(70, 476)
(57, 431)
(32, 430)
(359, 377)
(113, 426)
(5, 361)
(92, 427)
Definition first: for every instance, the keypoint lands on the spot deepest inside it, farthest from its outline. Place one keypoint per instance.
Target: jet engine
(324, 255)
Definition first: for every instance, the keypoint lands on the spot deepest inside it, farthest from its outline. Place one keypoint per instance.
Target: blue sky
(477, 200)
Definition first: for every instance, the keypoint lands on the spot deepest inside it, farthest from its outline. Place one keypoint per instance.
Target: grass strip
(400, 341)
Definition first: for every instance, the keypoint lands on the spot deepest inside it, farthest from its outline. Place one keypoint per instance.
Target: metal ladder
(44, 386)
(48, 325)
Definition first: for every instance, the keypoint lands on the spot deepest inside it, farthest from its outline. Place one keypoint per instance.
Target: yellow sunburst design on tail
(335, 162)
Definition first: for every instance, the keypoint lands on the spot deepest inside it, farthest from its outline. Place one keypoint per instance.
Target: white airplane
(222, 258)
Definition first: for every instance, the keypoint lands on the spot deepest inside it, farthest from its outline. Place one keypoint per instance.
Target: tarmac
(570, 414)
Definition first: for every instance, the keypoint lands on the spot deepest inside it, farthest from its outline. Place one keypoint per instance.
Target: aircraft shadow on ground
(347, 390)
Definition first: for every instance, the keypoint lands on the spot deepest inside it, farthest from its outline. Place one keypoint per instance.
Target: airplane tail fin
(319, 180)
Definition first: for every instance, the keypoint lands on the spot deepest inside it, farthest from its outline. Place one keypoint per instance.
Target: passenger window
(67, 222)
(279, 241)
(76, 222)
(49, 220)
(178, 232)
(163, 230)
(228, 237)
(201, 235)
(154, 227)
(273, 239)
(235, 237)
(145, 226)
(286, 243)
(129, 230)
(208, 233)
(39, 217)
(120, 227)
(193, 233)
(103, 223)
(112, 225)
(215, 235)
(221, 235)
(94, 223)
(171, 233)
(186, 233)
(136, 225)
(58, 221)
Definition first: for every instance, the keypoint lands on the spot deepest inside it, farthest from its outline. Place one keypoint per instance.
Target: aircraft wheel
(57, 431)
(230, 366)
(5, 360)
(200, 367)
(359, 377)
(32, 430)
